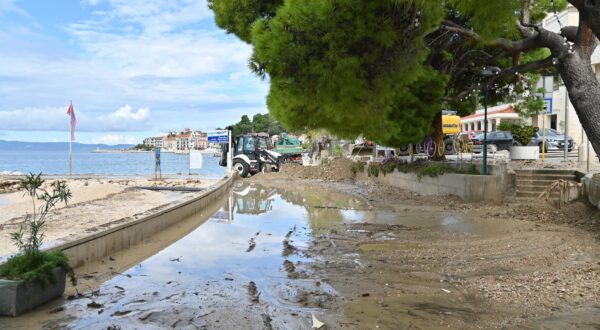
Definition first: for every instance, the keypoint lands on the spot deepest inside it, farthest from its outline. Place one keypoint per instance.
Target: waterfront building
(155, 142)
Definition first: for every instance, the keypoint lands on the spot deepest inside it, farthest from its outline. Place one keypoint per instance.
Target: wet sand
(97, 203)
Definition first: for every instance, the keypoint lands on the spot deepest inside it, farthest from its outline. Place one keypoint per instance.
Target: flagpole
(71, 158)
(71, 147)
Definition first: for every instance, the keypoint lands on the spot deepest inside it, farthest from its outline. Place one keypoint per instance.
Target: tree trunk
(584, 91)
(438, 135)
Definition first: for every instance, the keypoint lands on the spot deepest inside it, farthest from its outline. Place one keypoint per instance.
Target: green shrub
(337, 150)
(358, 167)
(521, 132)
(37, 267)
(389, 167)
(373, 170)
(433, 170)
(31, 264)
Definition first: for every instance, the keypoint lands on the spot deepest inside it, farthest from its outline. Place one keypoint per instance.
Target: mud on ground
(496, 266)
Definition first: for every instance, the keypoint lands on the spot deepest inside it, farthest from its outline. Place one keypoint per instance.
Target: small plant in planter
(29, 276)
(522, 134)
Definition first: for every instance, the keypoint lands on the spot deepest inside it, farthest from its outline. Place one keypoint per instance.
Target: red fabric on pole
(71, 112)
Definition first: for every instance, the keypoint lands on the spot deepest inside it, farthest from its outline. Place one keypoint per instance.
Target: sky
(132, 68)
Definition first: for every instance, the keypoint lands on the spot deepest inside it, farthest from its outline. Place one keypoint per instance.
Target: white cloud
(10, 7)
(91, 2)
(112, 139)
(55, 119)
(126, 113)
(165, 53)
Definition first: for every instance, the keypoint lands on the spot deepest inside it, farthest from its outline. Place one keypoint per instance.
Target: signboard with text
(221, 137)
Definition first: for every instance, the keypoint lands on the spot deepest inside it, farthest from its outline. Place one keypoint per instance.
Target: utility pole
(566, 132)
(488, 72)
(485, 129)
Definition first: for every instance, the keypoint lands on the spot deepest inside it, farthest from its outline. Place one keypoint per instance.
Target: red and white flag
(71, 112)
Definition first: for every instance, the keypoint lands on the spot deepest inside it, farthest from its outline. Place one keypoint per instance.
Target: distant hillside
(57, 146)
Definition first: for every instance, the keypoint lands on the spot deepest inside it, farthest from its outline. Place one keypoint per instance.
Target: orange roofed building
(496, 115)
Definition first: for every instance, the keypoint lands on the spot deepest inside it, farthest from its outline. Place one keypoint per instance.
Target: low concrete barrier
(591, 188)
(104, 243)
(470, 188)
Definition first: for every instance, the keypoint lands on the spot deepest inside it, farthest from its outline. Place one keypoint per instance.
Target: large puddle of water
(237, 264)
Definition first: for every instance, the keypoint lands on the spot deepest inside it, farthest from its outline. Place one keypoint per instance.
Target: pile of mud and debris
(337, 169)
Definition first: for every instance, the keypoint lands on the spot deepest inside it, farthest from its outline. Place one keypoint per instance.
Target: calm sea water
(87, 162)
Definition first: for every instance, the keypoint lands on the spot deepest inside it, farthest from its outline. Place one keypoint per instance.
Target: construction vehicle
(252, 153)
(252, 199)
(290, 147)
(451, 128)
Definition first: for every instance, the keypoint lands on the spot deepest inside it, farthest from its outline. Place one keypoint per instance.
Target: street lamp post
(487, 72)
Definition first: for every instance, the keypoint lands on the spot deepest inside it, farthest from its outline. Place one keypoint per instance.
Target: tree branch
(502, 43)
(528, 67)
(521, 68)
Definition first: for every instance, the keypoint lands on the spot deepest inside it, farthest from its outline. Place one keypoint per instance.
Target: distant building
(155, 142)
(169, 142)
(182, 142)
(198, 140)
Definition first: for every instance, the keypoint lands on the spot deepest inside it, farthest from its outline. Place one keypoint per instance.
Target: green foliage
(521, 132)
(347, 66)
(435, 169)
(238, 16)
(259, 123)
(373, 170)
(337, 151)
(505, 126)
(36, 267)
(31, 263)
(380, 69)
(358, 167)
(143, 147)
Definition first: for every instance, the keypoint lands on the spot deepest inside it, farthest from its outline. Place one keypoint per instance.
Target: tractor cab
(252, 153)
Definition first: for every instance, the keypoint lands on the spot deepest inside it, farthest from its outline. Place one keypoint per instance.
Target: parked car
(498, 140)
(554, 140)
(469, 134)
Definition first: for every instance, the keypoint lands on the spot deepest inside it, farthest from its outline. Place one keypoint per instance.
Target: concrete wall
(591, 188)
(470, 188)
(105, 243)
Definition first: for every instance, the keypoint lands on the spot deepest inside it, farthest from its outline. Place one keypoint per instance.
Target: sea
(53, 159)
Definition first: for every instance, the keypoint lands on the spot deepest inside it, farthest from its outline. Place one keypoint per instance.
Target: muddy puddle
(239, 264)
(272, 256)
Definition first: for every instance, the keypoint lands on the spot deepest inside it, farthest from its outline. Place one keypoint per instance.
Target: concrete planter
(524, 152)
(17, 297)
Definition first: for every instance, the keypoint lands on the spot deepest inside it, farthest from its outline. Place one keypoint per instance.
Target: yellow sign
(451, 124)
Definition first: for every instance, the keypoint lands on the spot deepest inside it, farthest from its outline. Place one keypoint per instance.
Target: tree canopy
(384, 69)
(259, 123)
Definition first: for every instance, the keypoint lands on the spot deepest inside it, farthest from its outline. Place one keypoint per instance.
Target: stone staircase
(531, 183)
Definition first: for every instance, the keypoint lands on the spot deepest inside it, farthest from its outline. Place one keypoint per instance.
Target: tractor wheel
(241, 167)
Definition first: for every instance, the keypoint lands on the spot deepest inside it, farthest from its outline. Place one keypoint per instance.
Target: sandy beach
(97, 203)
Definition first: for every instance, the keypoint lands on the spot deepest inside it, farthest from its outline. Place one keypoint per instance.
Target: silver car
(554, 140)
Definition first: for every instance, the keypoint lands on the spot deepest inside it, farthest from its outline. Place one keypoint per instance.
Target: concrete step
(531, 189)
(535, 194)
(551, 177)
(536, 183)
(530, 199)
(546, 171)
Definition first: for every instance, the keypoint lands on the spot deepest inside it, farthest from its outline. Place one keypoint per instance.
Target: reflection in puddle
(4, 201)
(200, 275)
